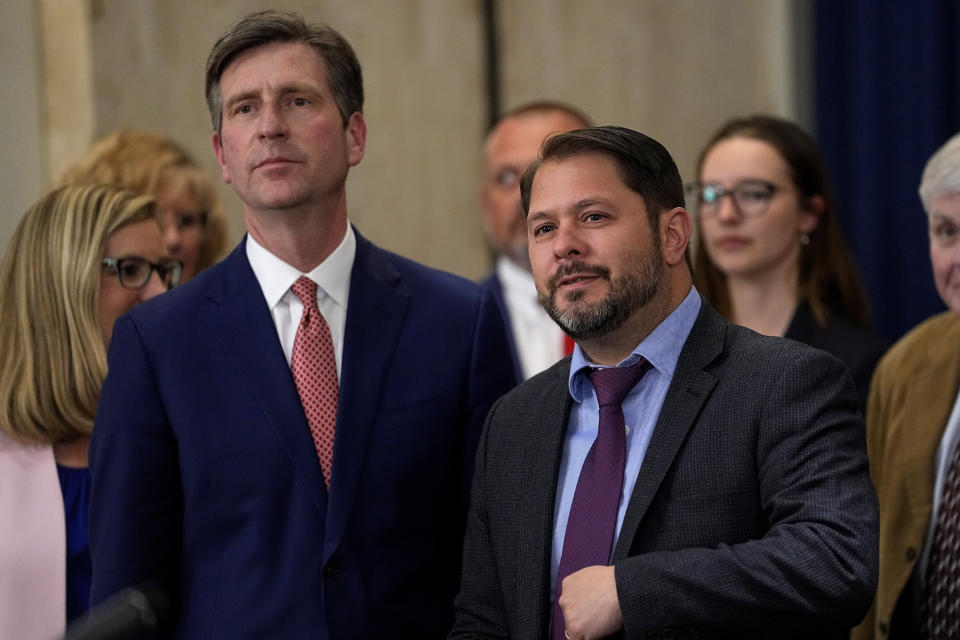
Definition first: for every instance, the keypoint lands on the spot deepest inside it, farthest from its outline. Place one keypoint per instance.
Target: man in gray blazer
(744, 507)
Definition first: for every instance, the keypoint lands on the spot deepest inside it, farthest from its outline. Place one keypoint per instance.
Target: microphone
(133, 610)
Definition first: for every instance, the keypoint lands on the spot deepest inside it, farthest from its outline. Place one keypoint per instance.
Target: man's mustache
(576, 268)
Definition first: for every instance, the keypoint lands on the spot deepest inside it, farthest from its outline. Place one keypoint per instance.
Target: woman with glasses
(194, 228)
(81, 257)
(770, 254)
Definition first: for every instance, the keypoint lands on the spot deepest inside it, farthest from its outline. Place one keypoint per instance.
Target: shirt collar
(661, 348)
(514, 278)
(276, 276)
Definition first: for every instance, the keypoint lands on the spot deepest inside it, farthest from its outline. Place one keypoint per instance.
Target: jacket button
(911, 554)
(330, 571)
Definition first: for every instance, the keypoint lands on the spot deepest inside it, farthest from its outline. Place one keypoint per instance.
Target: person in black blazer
(772, 256)
(749, 512)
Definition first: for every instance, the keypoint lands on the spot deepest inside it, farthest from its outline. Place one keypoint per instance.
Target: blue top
(75, 487)
(641, 409)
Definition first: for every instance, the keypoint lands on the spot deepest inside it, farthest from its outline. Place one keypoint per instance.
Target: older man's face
(510, 148)
(945, 249)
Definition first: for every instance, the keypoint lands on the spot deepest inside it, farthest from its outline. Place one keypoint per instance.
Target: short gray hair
(265, 27)
(941, 176)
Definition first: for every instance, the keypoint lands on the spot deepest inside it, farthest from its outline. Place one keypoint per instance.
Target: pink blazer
(33, 544)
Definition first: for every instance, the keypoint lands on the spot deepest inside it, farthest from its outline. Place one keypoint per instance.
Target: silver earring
(804, 239)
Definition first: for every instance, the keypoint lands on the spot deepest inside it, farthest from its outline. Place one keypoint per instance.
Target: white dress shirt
(538, 339)
(333, 288)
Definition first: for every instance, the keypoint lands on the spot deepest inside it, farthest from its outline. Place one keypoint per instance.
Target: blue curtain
(887, 82)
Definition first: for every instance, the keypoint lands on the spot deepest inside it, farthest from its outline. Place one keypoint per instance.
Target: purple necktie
(593, 513)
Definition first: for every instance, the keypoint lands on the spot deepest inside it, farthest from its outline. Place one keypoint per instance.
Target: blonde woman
(194, 228)
(80, 258)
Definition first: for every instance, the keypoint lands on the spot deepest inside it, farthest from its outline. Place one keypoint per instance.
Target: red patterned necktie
(314, 367)
(942, 606)
(593, 513)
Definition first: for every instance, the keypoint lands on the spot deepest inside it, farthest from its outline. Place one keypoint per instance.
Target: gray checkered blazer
(753, 514)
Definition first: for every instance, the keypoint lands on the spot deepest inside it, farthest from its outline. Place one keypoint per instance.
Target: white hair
(941, 176)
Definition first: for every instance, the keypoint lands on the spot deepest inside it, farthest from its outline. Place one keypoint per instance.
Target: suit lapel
(548, 427)
(689, 389)
(240, 319)
(375, 314)
(495, 287)
(930, 409)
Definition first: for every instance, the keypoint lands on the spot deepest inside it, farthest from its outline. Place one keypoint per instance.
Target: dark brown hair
(644, 165)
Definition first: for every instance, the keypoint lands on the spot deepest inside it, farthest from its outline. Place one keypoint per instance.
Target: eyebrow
(589, 202)
(281, 90)
(240, 97)
(580, 204)
(537, 216)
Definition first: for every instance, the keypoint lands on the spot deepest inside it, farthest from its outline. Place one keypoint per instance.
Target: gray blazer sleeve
(480, 611)
(813, 558)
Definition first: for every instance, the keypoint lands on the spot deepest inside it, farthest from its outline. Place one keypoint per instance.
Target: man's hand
(589, 603)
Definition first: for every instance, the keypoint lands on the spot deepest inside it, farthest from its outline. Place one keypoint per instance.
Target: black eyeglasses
(134, 272)
(752, 197)
(507, 178)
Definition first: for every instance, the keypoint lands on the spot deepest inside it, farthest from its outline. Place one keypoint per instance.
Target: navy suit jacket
(206, 480)
(493, 285)
(753, 515)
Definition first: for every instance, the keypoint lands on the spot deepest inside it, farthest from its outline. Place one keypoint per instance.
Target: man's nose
(568, 241)
(272, 121)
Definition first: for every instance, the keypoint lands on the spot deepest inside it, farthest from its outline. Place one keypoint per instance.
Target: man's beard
(628, 293)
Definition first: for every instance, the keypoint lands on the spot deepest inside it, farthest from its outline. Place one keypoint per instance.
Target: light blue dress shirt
(641, 409)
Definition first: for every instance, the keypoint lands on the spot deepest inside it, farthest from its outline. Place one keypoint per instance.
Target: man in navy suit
(733, 499)
(210, 478)
(511, 145)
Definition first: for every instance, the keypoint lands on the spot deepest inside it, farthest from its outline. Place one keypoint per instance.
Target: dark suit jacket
(493, 285)
(753, 515)
(858, 348)
(205, 477)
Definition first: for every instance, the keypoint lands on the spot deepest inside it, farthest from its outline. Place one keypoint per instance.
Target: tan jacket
(912, 394)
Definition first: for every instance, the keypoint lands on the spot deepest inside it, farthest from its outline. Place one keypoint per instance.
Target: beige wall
(674, 69)
(22, 174)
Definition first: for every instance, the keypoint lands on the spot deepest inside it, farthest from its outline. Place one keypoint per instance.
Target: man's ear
(356, 138)
(675, 230)
(218, 151)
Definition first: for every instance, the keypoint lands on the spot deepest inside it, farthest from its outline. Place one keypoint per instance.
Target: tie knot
(306, 289)
(614, 383)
